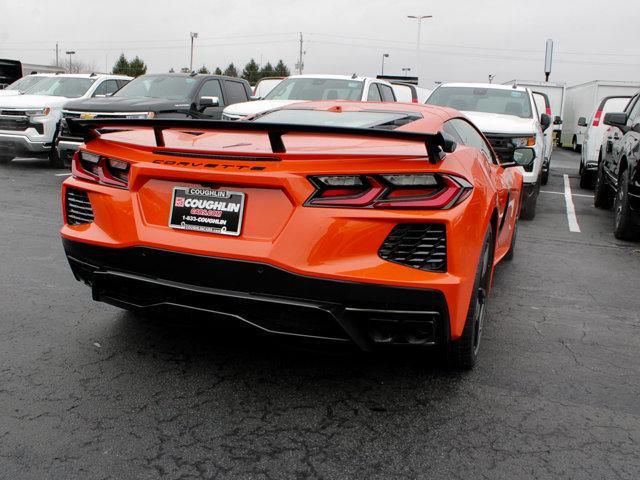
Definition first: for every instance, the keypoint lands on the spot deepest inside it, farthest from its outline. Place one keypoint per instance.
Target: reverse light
(419, 190)
(523, 141)
(596, 118)
(98, 169)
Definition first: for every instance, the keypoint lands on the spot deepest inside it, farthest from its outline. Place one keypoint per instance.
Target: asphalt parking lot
(88, 391)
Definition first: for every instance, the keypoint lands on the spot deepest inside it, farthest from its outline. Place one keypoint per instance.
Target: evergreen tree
(204, 69)
(267, 71)
(231, 71)
(281, 70)
(218, 71)
(251, 72)
(172, 70)
(137, 67)
(121, 66)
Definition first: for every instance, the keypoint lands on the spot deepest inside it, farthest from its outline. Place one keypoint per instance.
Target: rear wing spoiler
(435, 143)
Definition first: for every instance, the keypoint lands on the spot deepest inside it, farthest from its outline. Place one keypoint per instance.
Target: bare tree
(77, 66)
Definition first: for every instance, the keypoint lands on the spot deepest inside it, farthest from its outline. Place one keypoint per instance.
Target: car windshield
(480, 99)
(69, 87)
(169, 87)
(265, 86)
(361, 119)
(25, 83)
(316, 89)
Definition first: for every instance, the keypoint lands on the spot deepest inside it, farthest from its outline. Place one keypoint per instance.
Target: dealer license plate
(207, 210)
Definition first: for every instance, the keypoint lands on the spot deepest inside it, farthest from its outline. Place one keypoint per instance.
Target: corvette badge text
(222, 166)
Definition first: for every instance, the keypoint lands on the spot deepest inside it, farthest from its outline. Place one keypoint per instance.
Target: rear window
(480, 99)
(361, 119)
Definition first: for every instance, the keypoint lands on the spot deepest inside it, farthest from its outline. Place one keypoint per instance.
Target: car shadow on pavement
(206, 349)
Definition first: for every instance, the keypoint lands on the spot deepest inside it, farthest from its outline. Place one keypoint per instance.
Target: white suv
(509, 118)
(28, 123)
(300, 88)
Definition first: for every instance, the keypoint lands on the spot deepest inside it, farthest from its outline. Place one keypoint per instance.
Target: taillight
(401, 190)
(596, 119)
(96, 168)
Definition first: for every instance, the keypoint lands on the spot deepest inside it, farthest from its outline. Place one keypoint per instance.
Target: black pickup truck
(170, 95)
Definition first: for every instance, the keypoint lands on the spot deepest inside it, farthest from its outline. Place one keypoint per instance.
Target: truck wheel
(602, 195)
(544, 179)
(54, 159)
(463, 353)
(586, 179)
(528, 210)
(575, 146)
(624, 227)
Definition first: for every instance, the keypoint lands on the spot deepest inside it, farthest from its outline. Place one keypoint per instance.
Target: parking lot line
(571, 211)
(562, 193)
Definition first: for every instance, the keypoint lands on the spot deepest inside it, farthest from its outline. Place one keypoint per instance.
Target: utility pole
(193, 35)
(419, 18)
(384, 55)
(57, 54)
(301, 53)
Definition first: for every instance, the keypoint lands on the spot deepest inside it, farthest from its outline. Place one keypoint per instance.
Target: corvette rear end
(343, 234)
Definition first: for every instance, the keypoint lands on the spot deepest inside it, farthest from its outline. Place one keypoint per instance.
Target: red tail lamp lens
(419, 190)
(98, 169)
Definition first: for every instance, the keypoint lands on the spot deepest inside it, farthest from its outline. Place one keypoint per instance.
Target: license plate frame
(217, 211)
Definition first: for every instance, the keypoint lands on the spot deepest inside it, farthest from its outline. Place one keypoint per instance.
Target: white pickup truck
(509, 118)
(29, 123)
(300, 88)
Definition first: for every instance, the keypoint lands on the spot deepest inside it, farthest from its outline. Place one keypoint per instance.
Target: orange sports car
(371, 223)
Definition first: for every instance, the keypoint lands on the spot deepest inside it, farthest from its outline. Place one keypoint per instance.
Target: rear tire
(624, 227)
(463, 353)
(512, 246)
(602, 195)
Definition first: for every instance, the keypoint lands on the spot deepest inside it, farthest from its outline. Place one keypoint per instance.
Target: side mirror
(545, 121)
(557, 120)
(206, 102)
(522, 157)
(615, 119)
(582, 122)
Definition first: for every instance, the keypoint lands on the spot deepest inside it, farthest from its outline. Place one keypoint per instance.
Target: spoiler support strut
(436, 143)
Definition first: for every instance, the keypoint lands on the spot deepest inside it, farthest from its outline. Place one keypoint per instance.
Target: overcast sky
(465, 41)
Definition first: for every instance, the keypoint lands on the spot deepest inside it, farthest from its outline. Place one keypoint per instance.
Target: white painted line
(62, 174)
(562, 193)
(571, 211)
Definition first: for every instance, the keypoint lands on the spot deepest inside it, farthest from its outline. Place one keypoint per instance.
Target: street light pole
(384, 55)
(70, 52)
(193, 35)
(419, 18)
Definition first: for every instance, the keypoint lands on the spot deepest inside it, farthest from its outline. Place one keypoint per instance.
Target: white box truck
(580, 102)
(555, 91)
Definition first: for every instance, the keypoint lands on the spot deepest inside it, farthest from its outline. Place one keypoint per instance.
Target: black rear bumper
(261, 295)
